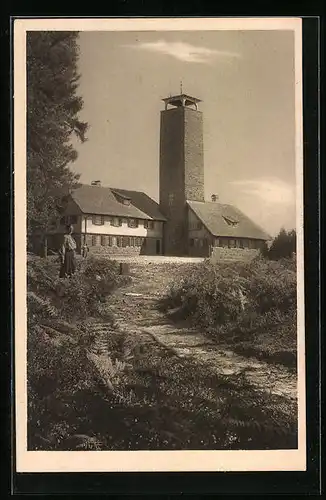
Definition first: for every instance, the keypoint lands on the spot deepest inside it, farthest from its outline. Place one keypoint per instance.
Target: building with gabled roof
(121, 221)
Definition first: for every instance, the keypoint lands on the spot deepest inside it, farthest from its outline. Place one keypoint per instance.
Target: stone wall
(224, 253)
(193, 155)
(147, 248)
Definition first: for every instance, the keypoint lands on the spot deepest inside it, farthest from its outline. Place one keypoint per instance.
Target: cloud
(184, 51)
(270, 191)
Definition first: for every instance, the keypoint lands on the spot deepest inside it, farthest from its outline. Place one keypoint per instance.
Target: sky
(246, 82)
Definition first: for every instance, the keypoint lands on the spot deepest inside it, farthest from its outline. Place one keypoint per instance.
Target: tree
(52, 117)
(284, 245)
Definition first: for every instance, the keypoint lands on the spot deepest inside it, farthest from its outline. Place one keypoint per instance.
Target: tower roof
(181, 100)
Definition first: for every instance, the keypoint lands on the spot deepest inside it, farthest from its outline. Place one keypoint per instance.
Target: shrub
(77, 297)
(217, 294)
(60, 371)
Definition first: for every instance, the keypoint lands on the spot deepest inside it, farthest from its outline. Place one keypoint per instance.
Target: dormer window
(125, 200)
(230, 221)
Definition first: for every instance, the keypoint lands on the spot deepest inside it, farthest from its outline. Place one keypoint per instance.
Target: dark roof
(180, 97)
(101, 200)
(226, 220)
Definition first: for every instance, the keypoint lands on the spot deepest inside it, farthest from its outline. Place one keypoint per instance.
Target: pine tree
(284, 245)
(52, 117)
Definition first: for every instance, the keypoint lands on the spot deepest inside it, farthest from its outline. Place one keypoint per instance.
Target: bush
(220, 294)
(60, 370)
(77, 297)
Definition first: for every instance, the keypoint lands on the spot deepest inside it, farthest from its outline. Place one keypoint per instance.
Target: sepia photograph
(159, 245)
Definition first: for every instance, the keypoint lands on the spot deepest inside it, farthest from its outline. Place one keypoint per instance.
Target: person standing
(67, 254)
(85, 250)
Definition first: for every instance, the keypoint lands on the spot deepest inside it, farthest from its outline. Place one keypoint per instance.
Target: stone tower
(181, 167)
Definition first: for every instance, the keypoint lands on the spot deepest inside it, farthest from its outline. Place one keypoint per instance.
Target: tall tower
(181, 167)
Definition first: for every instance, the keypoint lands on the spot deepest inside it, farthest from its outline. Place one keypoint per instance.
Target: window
(116, 222)
(132, 223)
(217, 242)
(96, 240)
(231, 243)
(104, 240)
(199, 225)
(171, 199)
(191, 242)
(113, 241)
(98, 220)
(125, 241)
(119, 241)
(148, 224)
(132, 241)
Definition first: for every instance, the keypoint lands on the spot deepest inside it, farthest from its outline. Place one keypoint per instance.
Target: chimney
(96, 183)
(214, 198)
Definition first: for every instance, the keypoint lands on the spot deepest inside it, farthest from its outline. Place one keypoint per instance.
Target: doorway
(158, 247)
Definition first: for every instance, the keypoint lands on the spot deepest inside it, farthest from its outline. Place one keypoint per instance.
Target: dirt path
(135, 310)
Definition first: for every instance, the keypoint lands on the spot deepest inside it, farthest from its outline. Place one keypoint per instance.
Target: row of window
(99, 220)
(237, 243)
(226, 242)
(117, 241)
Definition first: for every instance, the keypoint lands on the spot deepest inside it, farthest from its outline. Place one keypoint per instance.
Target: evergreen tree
(52, 117)
(284, 245)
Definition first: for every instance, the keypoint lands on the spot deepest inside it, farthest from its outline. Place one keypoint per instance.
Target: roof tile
(100, 200)
(215, 215)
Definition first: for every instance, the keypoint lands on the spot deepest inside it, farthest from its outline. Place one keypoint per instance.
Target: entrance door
(158, 247)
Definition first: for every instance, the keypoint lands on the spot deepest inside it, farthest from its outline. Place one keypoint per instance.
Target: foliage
(283, 245)
(75, 298)
(244, 299)
(61, 367)
(53, 107)
(93, 387)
